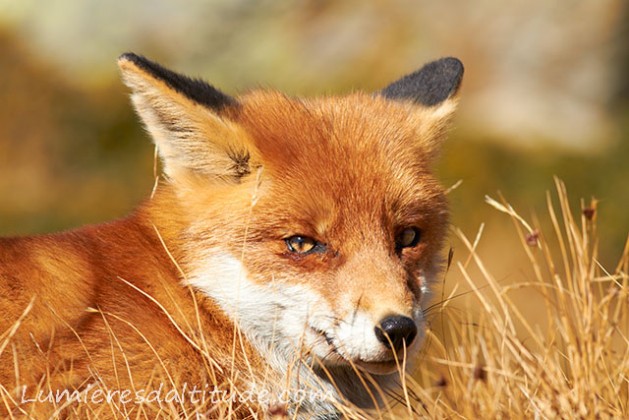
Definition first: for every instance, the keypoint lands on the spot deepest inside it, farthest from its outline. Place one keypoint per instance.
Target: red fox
(281, 263)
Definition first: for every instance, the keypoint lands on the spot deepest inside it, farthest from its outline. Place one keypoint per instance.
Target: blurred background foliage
(545, 93)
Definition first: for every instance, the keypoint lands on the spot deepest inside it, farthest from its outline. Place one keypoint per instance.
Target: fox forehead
(357, 157)
(355, 128)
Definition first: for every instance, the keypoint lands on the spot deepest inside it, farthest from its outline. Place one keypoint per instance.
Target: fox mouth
(332, 353)
(328, 339)
(380, 367)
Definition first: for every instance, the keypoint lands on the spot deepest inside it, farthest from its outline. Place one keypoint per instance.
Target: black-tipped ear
(194, 89)
(186, 121)
(430, 85)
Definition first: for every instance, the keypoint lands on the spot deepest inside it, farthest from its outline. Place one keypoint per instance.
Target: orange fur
(112, 304)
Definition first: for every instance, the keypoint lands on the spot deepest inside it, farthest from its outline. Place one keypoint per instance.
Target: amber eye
(303, 244)
(407, 238)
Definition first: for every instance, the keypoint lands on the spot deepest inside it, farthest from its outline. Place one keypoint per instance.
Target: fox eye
(303, 244)
(407, 238)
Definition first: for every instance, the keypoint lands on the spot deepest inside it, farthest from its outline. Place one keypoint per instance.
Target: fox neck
(163, 215)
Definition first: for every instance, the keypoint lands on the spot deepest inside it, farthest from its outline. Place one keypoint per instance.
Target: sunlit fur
(198, 285)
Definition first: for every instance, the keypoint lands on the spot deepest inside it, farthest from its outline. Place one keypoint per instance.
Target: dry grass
(490, 358)
(494, 362)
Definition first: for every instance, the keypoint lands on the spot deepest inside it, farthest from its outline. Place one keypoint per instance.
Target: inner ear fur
(187, 119)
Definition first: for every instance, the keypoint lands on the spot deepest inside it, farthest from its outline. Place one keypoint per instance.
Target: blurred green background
(546, 93)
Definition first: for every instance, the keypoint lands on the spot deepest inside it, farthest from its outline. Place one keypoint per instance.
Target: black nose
(396, 331)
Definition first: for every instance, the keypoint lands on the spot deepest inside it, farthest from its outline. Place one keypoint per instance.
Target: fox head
(315, 224)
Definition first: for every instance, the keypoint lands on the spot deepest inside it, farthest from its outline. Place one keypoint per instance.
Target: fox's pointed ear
(431, 85)
(187, 120)
(433, 88)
